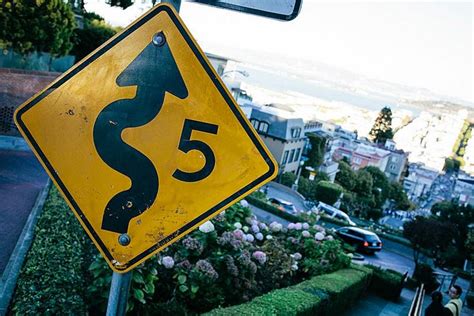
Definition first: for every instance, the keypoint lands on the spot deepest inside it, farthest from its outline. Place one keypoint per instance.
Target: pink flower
(306, 233)
(260, 256)
(298, 226)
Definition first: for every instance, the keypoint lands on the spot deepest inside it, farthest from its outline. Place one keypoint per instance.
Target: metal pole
(118, 296)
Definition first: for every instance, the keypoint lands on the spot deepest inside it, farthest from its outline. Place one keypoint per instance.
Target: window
(295, 132)
(263, 127)
(285, 157)
(254, 123)
(392, 167)
(292, 154)
(357, 160)
(394, 159)
(297, 156)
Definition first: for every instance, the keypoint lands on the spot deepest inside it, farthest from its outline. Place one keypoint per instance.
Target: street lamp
(295, 185)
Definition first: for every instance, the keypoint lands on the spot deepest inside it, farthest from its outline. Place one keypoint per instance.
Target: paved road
(21, 179)
(280, 191)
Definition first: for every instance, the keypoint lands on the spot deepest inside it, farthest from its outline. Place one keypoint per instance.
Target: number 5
(186, 144)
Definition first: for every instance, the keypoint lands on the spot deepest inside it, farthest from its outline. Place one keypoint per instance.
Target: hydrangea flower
(269, 237)
(207, 227)
(167, 262)
(255, 228)
(245, 229)
(291, 226)
(276, 227)
(306, 233)
(294, 267)
(305, 226)
(297, 256)
(206, 268)
(259, 236)
(260, 256)
(239, 234)
(249, 238)
(238, 225)
(319, 236)
(191, 243)
(329, 237)
(298, 226)
(244, 203)
(263, 226)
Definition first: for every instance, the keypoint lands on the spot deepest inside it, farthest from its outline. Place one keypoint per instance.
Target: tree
(451, 165)
(460, 217)
(37, 25)
(288, 179)
(316, 153)
(364, 183)
(399, 196)
(382, 129)
(380, 185)
(327, 192)
(346, 177)
(429, 234)
(94, 33)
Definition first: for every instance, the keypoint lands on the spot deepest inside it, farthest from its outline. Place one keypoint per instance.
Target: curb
(12, 270)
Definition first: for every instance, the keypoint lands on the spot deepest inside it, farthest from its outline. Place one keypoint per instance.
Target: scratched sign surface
(143, 140)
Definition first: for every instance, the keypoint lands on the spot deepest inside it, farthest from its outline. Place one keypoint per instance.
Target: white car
(333, 212)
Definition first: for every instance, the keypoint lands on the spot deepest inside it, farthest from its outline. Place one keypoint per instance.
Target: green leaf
(138, 278)
(182, 279)
(149, 288)
(139, 295)
(194, 288)
(183, 288)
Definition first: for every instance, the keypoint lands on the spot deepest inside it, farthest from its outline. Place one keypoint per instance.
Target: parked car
(333, 212)
(362, 239)
(283, 205)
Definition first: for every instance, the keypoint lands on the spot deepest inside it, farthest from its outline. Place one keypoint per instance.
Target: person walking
(436, 307)
(455, 303)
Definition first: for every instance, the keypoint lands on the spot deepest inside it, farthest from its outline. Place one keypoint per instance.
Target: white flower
(222, 213)
(291, 226)
(305, 226)
(262, 226)
(330, 237)
(238, 225)
(318, 218)
(298, 226)
(207, 227)
(294, 267)
(245, 229)
(268, 237)
(306, 233)
(249, 220)
(276, 227)
(255, 228)
(244, 203)
(297, 256)
(167, 262)
(249, 238)
(259, 236)
(319, 236)
(350, 255)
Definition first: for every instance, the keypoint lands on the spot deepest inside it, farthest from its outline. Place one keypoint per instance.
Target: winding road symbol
(154, 72)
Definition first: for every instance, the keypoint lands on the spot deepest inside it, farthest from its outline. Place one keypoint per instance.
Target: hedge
(328, 294)
(52, 278)
(386, 283)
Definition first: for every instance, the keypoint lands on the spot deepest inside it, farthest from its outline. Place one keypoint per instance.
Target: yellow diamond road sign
(144, 140)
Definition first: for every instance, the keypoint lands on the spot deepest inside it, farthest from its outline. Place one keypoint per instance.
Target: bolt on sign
(144, 141)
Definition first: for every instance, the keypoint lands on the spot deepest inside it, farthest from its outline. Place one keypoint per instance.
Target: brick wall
(17, 86)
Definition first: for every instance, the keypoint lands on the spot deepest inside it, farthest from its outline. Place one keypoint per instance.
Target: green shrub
(52, 280)
(328, 294)
(424, 274)
(386, 283)
(327, 192)
(271, 209)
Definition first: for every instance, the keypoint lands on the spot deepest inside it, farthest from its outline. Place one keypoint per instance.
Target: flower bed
(227, 261)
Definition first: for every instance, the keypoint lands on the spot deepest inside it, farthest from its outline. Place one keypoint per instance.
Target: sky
(421, 44)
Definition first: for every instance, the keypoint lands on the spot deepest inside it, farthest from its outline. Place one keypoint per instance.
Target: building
(361, 155)
(282, 135)
(419, 180)
(464, 190)
(397, 162)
